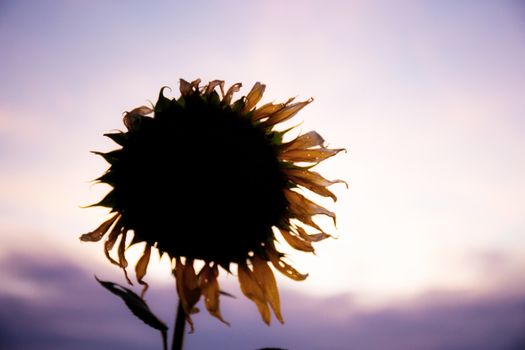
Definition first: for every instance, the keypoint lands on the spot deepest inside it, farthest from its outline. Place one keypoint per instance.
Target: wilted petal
(213, 84)
(309, 155)
(133, 119)
(185, 88)
(283, 267)
(110, 242)
(285, 113)
(254, 96)
(308, 140)
(265, 111)
(296, 242)
(122, 256)
(315, 237)
(253, 291)
(141, 268)
(229, 94)
(264, 276)
(313, 181)
(100, 231)
(187, 288)
(210, 290)
(300, 206)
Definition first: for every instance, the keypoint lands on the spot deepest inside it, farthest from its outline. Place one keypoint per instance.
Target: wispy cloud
(68, 309)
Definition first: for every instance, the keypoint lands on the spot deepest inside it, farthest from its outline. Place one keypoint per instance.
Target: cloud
(68, 309)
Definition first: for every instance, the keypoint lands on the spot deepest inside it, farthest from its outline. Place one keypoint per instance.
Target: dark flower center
(199, 180)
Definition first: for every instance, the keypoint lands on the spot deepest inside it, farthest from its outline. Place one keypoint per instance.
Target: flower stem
(178, 332)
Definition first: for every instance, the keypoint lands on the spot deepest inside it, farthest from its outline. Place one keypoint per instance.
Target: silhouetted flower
(205, 178)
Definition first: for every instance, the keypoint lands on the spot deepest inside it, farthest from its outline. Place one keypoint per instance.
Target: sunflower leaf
(136, 305)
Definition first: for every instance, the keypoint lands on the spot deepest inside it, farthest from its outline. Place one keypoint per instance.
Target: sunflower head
(202, 177)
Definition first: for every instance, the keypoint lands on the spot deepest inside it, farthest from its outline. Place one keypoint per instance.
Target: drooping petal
(309, 155)
(283, 267)
(254, 96)
(141, 267)
(99, 232)
(296, 242)
(123, 263)
(315, 237)
(253, 291)
(111, 240)
(264, 276)
(308, 140)
(285, 113)
(210, 290)
(301, 206)
(187, 288)
(312, 181)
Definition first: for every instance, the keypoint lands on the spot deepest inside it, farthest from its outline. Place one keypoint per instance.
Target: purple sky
(426, 95)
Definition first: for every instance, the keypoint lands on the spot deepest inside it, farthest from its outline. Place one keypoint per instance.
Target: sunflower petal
(296, 242)
(283, 267)
(110, 241)
(315, 237)
(210, 290)
(285, 113)
(265, 110)
(313, 181)
(229, 94)
(309, 155)
(122, 256)
(254, 96)
(301, 206)
(308, 140)
(141, 268)
(187, 288)
(264, 276)
(253, 291)
(99, 232)
(213, 84)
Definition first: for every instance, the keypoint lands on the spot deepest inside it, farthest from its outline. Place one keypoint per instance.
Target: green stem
(178, 332)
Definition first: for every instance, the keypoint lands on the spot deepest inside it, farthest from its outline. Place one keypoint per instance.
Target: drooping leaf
(136, 305)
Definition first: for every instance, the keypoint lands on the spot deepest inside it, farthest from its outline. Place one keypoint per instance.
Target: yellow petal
(265, 111)
(316, 237)
(301, 206)
(121, 255)
(312, 181)
(283, 267)
(112, 239)
(141, 267)
(296, 242)
(264, 276)
(253, 291)
(100, 231)
(309, 155)
(210, 290)
(285, 113)
(187, 288)
(310, 139)
(229, 94)
(254, 96)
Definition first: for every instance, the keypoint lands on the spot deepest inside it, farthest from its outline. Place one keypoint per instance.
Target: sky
(425, 96)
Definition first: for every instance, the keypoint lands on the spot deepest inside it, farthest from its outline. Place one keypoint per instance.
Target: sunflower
(204, 178)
